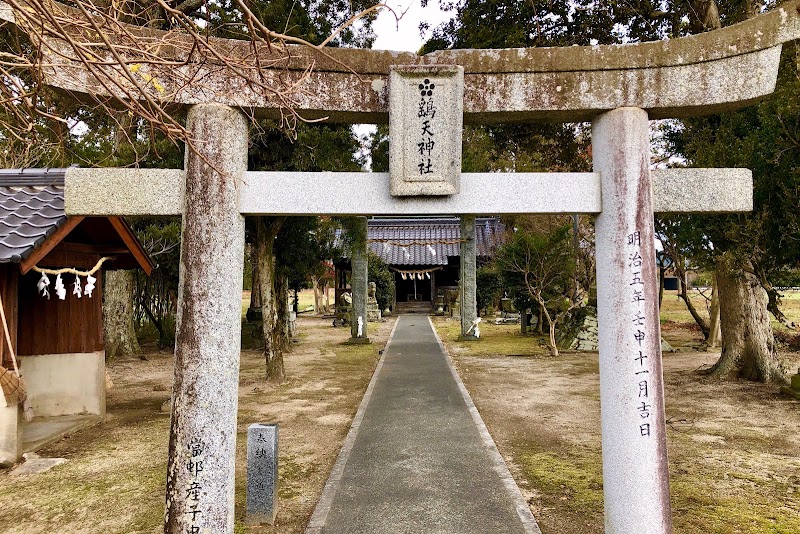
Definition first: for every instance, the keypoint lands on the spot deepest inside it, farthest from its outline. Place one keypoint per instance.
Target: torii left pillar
(202, 445)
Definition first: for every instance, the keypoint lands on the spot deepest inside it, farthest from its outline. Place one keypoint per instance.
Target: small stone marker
(794, 388)
(262, 474)
(426, 119)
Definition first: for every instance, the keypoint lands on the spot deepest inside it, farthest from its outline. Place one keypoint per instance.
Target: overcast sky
(403, 35)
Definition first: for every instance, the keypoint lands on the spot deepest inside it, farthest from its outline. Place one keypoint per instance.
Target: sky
(403, 35)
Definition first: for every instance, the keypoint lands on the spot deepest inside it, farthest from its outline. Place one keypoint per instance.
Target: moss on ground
(733, 446)
(496, 340)
(573, 477)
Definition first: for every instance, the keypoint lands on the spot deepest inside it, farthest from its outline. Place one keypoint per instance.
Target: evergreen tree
(747, 249)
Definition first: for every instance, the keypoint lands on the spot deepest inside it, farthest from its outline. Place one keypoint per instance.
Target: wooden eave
(122, 229)
(129, 238)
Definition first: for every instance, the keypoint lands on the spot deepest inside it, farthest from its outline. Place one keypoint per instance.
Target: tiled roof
(31, 209)
(440, 237)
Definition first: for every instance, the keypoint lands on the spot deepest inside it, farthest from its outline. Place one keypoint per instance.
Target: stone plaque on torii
(618, 88)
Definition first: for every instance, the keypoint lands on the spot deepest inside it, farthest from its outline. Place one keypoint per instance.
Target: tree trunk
(684, 294)
(704, 16)
(120, 334)
(553, 347)
(661, 277)
(315, 283)
(265, 240)
(321, 298)
(540, 323)
(280, 330)
(714, 332)
(255, 291)
(748, 344)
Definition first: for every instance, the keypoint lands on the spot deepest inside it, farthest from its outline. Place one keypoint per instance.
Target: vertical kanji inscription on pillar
(425, 123)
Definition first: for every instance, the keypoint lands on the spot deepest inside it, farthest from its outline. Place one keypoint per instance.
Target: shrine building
(54, 321)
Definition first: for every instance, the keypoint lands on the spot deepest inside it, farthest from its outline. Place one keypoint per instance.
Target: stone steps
(413, 307)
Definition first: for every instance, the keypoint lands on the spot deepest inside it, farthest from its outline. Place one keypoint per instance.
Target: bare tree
(133, 59)
(545, 266)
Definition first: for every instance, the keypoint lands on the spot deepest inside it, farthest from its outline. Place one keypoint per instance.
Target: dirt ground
(734, 448)
(115, 477)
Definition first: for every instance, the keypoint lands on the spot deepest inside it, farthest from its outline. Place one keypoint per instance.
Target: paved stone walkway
(418, 461)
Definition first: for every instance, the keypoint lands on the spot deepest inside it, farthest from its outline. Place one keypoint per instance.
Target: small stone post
(635, 473)
(469, 303)
(358, 283)
(262, 474)
(202, 445)
(10, 433)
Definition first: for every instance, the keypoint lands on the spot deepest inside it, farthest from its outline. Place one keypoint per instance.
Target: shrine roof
(33, 222)
(429, 241)
(31, 209)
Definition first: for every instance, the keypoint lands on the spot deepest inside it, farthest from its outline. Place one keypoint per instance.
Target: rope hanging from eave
(404, 243)
(70, 270)
(44, 283)
(418, 274)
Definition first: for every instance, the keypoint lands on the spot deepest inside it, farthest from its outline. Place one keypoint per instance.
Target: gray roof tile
(28, 215)
(440, 235)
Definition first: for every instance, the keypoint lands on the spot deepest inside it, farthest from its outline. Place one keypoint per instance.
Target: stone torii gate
(618, 88)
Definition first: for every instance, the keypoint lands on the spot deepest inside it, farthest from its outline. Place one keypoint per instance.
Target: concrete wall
(10, 434)
(66, 384)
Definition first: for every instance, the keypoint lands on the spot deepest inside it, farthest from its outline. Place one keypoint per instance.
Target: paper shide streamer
(78, 289)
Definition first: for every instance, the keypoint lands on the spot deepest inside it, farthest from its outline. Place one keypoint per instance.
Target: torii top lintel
(706, 73)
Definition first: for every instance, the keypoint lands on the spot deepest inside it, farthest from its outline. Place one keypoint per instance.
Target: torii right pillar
(635, 470)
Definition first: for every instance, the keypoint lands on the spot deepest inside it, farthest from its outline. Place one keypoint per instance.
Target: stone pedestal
(202, 446)
(438, 305)
(635, 473)
(344, 308)
(469, 302)
(373, 310)
(262, 474)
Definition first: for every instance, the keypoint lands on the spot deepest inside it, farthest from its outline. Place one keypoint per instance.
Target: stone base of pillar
(468, 338)
(358, 341)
